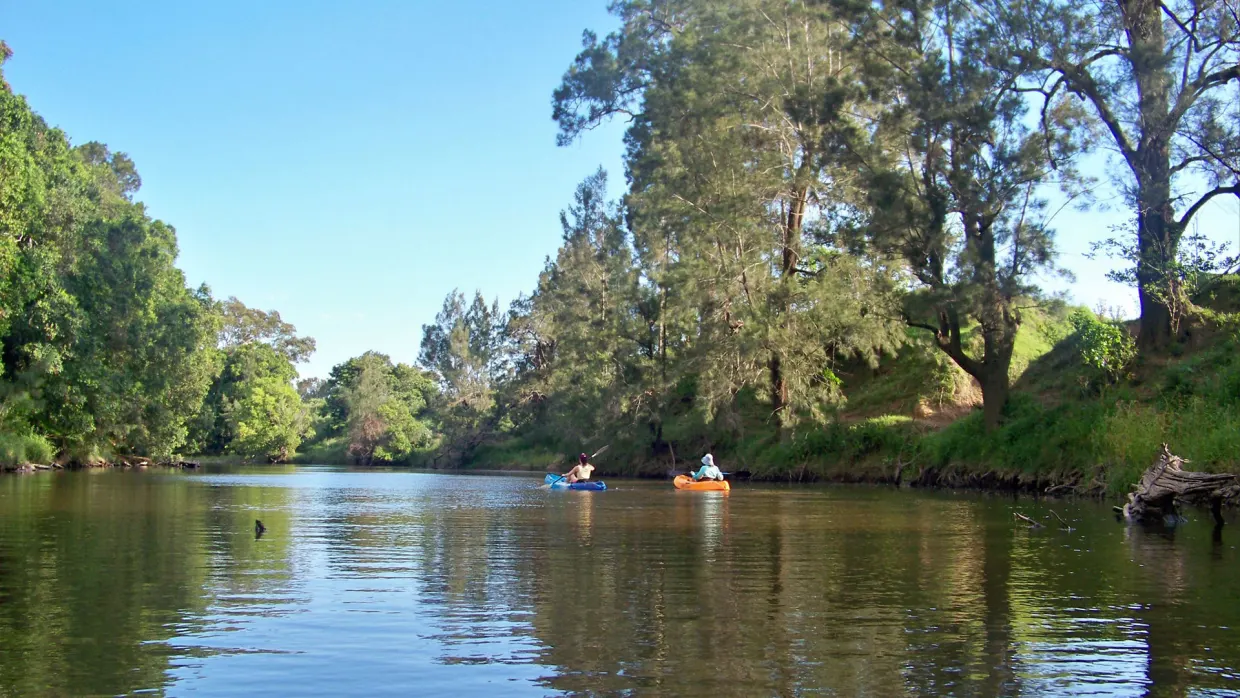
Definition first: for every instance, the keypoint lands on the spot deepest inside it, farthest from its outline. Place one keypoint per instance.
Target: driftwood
(1155, 497)
(1065, 525)
(1026, 519)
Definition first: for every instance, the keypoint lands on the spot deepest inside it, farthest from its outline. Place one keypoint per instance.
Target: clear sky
(348, 164)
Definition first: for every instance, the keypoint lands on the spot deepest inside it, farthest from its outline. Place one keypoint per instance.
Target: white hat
(708, 459)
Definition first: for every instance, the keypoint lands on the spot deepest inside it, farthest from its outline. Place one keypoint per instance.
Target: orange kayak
(684, 482)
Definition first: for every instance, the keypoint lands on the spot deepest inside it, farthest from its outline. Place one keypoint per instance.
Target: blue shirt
(708, 471)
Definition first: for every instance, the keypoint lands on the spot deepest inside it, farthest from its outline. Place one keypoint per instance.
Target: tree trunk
(1000, 325)
(779, 392)
(1156, 249)
(1157, 239)
(790, 252)
(995, 391)
(1154, 329)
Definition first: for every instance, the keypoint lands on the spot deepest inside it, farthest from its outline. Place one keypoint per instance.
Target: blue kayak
(559, 483)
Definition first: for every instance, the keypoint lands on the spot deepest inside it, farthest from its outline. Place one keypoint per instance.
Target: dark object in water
(259, 529)
(1153, 500)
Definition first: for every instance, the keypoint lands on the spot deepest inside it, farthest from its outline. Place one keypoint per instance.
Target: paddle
(547, 485)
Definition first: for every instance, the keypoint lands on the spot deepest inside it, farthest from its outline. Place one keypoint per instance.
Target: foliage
(461, 349)
(728, 190)
(374, 410)
(21, 449)
(952, 175)
(242, 370)
(104, 350)
(103, 344)
(268, 419)
(1106, 348)
(806, 184)
(1159, 80)
(241, 325)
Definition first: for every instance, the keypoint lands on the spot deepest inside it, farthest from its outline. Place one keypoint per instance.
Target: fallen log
(1026, 519)
(1154, 500)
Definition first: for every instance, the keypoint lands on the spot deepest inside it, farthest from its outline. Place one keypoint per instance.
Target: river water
(397, 583)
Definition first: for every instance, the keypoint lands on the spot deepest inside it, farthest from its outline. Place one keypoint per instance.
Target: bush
(20, 449)
(329, 451)
(1106, 349)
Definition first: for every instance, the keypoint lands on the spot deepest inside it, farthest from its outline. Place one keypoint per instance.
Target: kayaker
(581, 471)
(708, 471)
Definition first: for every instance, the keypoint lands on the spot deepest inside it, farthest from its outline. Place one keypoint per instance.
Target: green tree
(462, 350)
(136, 369)
(268, 419)
(1160, 77)
(951, 176)
(105, 350)
(252, 348)
(579, 345)
(739, 112)
(379, 408)
(246, 370)
(243, 325)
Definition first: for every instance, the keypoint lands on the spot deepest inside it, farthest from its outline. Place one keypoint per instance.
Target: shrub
(1106, 349)
(19, 449)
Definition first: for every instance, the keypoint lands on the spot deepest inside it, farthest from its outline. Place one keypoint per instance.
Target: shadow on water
(387, 583)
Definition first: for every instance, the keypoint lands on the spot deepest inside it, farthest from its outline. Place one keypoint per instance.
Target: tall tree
(581, 348)
(739, 112)
(462, 349)
(249, 372)
(1163, 80)
(268, 420)
(242, 325)
(379, 408)
(952, 178)
(104, 349)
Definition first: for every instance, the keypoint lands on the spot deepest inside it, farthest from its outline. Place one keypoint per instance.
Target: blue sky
(349, 164)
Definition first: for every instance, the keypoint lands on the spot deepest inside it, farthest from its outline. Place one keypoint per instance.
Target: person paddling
(581, 471)
(708, 471)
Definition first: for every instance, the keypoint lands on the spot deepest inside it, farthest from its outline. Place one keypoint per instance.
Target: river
(398, 583)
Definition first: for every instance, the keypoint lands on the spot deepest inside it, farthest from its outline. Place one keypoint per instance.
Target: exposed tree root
(1165, 483)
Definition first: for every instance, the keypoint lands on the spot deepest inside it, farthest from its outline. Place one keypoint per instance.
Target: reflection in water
(713, 515)
(398, 583)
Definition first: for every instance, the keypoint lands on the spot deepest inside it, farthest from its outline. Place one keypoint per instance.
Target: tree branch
(1199, 86)
(1192, 36)
(921, 325)
(1084, 85)
(1205, 198)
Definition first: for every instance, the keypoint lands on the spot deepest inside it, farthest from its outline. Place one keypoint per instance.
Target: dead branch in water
(1066, 525)
(1031, 522)
(1155, 496)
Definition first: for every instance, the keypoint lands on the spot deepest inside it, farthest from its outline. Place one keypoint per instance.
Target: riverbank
(1095, 447)
(1070, 427)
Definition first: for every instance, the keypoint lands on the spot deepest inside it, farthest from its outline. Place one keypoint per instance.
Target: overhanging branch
(1205, 198)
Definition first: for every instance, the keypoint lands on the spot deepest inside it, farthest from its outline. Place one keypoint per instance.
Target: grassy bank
(1070, 426)
(22, 449)
(1082, 417)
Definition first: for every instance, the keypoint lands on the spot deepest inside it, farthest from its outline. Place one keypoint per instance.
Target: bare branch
(1192, 35)
(1205, 198)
